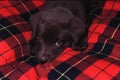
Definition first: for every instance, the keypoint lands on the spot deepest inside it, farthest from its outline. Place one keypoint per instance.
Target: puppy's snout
(44, 58)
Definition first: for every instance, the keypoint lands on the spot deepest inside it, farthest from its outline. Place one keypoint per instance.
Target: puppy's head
(53, 31)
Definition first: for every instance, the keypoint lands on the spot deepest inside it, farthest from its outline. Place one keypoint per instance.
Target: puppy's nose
(43, 59)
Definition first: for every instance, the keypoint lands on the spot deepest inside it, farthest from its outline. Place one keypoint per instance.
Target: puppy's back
(77, 7)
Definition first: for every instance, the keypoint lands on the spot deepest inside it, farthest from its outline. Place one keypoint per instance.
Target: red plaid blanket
(101, 60)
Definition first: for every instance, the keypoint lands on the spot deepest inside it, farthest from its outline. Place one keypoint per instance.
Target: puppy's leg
(79, 32)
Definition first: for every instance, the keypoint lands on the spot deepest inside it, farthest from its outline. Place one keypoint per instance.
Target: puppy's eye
(59, 43)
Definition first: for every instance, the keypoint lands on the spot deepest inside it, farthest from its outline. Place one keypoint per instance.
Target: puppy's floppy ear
(34, 23)
(79, 33)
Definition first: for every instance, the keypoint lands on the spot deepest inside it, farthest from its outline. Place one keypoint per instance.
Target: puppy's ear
(34, 24)
(79, 32)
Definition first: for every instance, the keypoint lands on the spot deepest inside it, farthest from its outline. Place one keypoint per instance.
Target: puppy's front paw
(80, 47)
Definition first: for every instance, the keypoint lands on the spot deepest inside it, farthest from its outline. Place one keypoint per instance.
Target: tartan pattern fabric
(101, 60)
(15, 31)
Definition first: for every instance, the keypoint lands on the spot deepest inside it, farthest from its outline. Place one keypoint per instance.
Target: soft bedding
(101, 60)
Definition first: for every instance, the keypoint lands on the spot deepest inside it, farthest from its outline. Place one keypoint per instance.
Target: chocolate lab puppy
(55, 29)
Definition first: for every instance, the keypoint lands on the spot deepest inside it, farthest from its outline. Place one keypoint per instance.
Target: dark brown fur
(59, 24)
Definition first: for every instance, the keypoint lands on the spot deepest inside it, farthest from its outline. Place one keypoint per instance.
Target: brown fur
(56, 28)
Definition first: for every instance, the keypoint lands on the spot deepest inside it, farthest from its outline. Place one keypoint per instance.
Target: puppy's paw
(80, 47)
